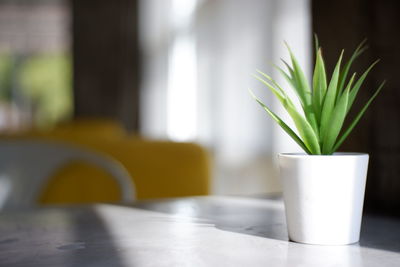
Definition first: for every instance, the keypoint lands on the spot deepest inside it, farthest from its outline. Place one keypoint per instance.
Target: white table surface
(204, 231)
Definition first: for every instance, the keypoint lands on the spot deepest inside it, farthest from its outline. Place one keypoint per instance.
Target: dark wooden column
(343, 24)
(106, 60)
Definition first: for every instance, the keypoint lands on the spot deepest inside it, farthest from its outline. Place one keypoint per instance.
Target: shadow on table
(380, 232)
(51, 237)
(266, 218)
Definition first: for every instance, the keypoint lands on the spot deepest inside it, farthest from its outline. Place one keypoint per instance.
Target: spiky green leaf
(278, 93)
(303, 87)
(337, 119)
(288, 78)
(357, 85)
(319, 85)
(329, 101)
(316, 43)
(343, 75)
(271, 80)
(305, 130)
(283, 125)
(357, 118)
(304, 92)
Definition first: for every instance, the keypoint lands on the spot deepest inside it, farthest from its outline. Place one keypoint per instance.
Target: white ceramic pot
(324, 196)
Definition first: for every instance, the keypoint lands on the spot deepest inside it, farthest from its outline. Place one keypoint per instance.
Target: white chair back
(26, 166)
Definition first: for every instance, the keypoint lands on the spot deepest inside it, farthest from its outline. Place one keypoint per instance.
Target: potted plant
(323, 190)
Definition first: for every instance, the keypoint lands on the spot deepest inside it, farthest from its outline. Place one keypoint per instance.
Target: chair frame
(29, 164)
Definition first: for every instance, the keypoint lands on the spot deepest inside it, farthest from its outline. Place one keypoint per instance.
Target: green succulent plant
(324, 105)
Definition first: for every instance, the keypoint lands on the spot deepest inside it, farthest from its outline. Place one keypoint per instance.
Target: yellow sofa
(160, 169)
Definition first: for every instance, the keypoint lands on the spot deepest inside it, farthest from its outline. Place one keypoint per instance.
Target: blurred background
(177, 71)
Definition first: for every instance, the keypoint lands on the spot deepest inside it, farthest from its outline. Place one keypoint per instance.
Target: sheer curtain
(200, 57)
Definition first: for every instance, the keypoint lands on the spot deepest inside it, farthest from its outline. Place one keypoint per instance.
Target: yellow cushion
(159, 169)
(80, 182)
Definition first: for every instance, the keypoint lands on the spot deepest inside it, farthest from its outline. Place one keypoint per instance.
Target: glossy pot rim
(334, 155)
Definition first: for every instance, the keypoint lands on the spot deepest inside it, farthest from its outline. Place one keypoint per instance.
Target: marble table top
(197, 231)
